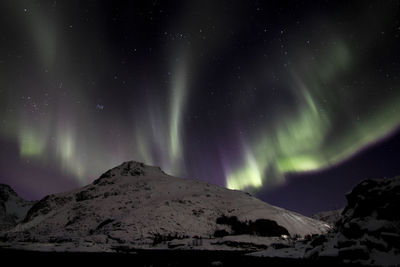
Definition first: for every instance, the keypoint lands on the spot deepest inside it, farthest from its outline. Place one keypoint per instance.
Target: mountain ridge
(12, 207)
(136, 205)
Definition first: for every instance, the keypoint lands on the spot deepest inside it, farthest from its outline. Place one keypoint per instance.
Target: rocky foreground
(367, 231)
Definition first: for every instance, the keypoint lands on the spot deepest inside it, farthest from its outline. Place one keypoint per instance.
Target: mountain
(367, 232)
(331, 216)
(12, 207)
(139, 206)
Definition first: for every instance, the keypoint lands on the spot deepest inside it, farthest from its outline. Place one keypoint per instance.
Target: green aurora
(303, 141)
(78, 97)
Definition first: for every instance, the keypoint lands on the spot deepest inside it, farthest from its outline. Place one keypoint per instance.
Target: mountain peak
(6, 191)
(130, 168)
(12, 207)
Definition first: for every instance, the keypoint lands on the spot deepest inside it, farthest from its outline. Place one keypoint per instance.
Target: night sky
(293, 101)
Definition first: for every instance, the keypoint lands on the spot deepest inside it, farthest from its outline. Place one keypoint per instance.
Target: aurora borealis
(301, 140)
(242, 94)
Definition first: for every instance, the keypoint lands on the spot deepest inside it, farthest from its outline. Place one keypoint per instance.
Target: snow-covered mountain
(331, 216)
(137, 205)
(12, 207)
(367, 232)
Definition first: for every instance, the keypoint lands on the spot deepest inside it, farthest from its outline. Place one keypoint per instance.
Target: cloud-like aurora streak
(160, 140)
(177, 98)
(302, 141)
(71, 137)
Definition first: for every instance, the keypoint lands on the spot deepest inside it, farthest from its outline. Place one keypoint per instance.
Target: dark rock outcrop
(260, 227)
(368, 231)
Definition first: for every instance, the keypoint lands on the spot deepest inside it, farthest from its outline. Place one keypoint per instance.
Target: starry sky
(293, 101)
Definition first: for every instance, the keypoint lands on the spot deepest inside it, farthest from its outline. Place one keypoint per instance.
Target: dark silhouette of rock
(261, 227)
(368, 230)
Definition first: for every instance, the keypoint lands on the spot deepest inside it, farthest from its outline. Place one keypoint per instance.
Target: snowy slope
(138, 205)
(12, 207)
(331, 216)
